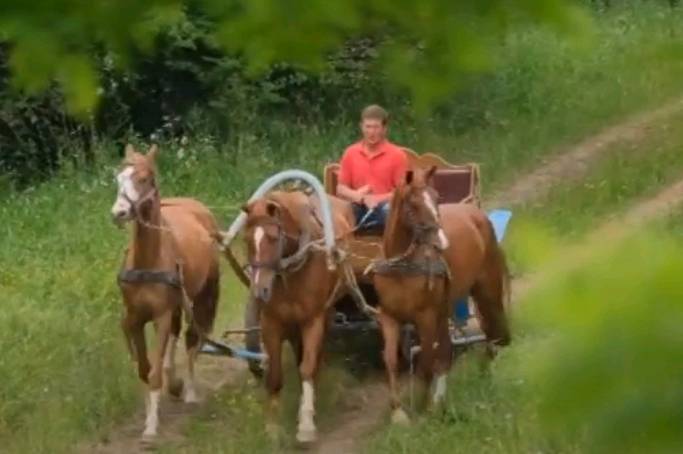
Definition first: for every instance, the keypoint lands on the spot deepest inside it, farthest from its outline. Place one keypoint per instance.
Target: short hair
(375, 112)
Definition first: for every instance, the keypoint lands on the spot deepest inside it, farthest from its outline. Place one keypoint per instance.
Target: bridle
(135, 206)
(273, 265)
(279, 264)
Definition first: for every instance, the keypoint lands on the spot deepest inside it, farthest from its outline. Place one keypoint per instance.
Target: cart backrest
(454, 183)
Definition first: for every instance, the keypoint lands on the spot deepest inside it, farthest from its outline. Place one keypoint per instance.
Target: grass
(66, 374)
(627, 173)
(545, 93)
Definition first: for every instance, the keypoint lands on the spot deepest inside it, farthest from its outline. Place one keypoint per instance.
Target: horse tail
(492, 291)
(500, 260)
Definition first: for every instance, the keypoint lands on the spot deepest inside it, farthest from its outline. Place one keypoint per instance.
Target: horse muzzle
(120, 216)
(262, 284)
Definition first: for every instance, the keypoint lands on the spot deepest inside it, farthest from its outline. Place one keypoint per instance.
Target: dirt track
(212, 375)
(575, 162)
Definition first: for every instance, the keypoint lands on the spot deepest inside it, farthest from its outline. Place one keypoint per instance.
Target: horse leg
(272, 334)
(192, 341)
(444, 359)
(426, 325)
(204, 313)
(155, 379)
(127, 326)
(312, 339)
(134, 332)
(173, 385)
(391, 332)
(488, 294)
(297, 348)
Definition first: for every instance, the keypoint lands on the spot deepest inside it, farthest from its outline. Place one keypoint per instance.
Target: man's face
(373, 131)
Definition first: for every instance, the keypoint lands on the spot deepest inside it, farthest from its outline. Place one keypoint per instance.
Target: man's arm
(398, 176)
(352, 195)
(344, 189)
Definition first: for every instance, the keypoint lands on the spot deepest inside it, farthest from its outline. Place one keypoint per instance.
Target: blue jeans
(461, 311)
(375, 220)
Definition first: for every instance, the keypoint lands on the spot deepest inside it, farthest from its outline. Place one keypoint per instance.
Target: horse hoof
(148, 441)
(191, 397)
(399, 417)
(175, 389)
(307, 436)
(256, 369)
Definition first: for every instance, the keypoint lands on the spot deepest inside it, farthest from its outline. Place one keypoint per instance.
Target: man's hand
(365, 190)
(353, 195)
(361, 194)
(371, 201)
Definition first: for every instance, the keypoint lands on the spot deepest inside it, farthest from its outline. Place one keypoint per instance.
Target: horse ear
(409, 176)
(429, 176)
(273, 208)
(130, 151)
(245, 208)
(152, 153)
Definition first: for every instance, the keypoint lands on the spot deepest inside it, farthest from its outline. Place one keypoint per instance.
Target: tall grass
(545, 93)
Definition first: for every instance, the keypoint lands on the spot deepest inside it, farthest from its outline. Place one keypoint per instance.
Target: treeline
(187, 83)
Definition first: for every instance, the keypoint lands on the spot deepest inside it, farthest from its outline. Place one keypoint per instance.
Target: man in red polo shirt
(371, 169)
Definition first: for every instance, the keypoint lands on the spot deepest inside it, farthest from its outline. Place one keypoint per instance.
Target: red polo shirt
(383, 170)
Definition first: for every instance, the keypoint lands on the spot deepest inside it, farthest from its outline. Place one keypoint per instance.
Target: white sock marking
(307, 407)
(152, 420)
(440, 389)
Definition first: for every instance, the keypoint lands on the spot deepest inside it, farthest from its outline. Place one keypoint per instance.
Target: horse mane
(297, 213)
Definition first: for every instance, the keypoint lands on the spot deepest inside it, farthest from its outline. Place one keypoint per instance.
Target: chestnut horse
(171, 264)
(295, 301)
(432, 256)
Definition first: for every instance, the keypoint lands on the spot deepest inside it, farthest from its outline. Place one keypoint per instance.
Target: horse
(171, 266)
(433, 255)
(295, 300)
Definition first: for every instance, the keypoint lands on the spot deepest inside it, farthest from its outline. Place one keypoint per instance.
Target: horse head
(270, 234)
(136, 179)
(418, 208)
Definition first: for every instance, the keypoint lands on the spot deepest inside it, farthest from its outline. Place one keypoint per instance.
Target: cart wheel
(252, 339)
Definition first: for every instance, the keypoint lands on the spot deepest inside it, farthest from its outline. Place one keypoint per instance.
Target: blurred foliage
(608, 369)
(427, 46)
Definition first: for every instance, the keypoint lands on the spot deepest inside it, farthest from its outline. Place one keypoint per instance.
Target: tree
(430, 47)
